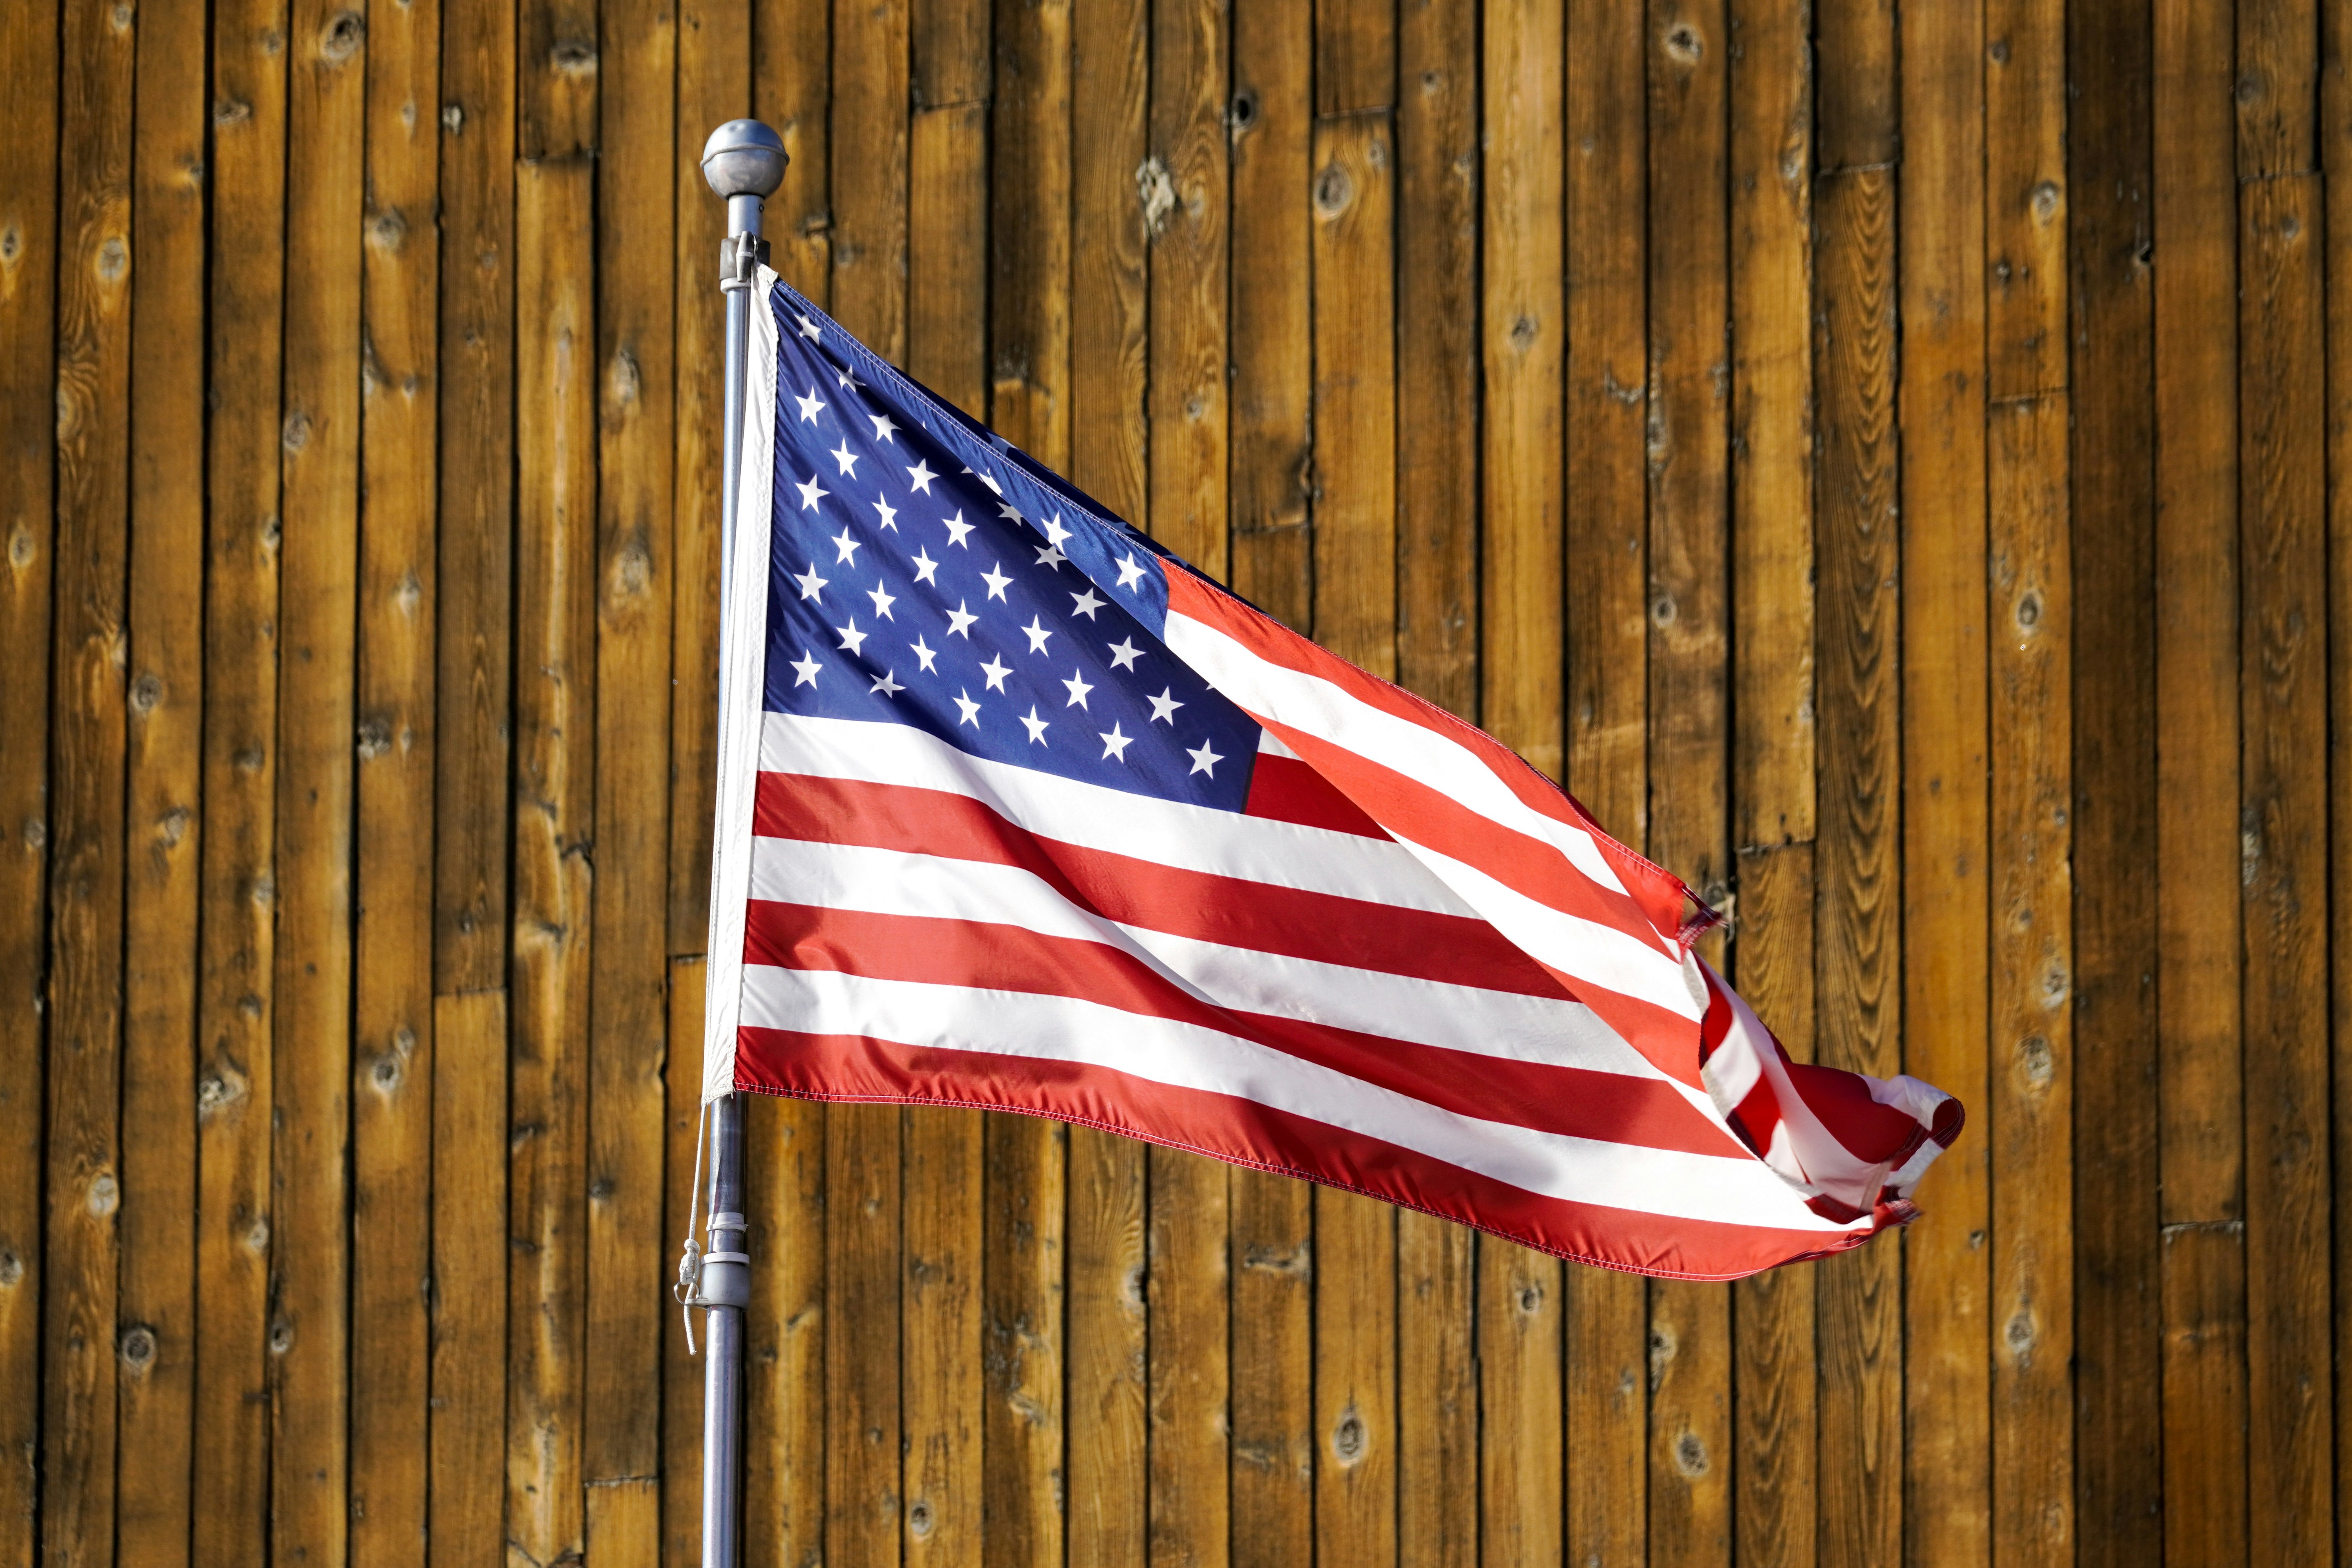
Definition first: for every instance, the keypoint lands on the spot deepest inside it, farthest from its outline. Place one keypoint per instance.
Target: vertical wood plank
(2290, 1456)
(1105, 1283)
(864, 1143)
(2030, 1056)
(392, 1092)
(29, 173)
(1110, 242)
(1352, 201)
(633, 364)
(1030, 209)
(164, 741)
(556, 579)
(1437, 357)
(943, 1363)
(466, 1509)
(1858, 929)
(788, 1417)
(309, 1326)
(91, 399)
(1023, 1256)
(2029, 1049)
(235, 1098)
(1605, 628)
(1437, 1393)
(1354, 417)
(1524, 329)
(1275, 1297)
(1184, 187)
(1945, 920)
(791, 93)
(1688, 726)
(474, 550)
(1272, 471)
(1025, 1251)
(1772, 712)
(2194, 200)
(1189, 1229)
(1108, 1374)
(1269, 480)
(2110, 327)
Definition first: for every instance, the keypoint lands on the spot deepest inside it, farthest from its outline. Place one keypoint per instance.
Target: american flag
(1018, 812)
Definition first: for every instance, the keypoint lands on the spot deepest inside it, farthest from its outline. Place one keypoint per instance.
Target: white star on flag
(807, 667)
(960, 621)
(1055, 531)
(996, 582)
(811, 494)
(851, 637)
(1087, 603)
(882, 426)
(970, 709)
(1124, 653)
(925, 567)
(920, 478)
(1077, 687)
(1036, 726)
(811, 584)
(889, 513)
(808, 330)
(1036, 634)
(847, 459)
(1115, 743)
(996, 671)
(846, 546)
(1051, 555)
(957, 528)
(810, 406)
(1205, 761)
(886, 684)
(1129, 572)
(1163, 708)
(926, 653)
(883, 599)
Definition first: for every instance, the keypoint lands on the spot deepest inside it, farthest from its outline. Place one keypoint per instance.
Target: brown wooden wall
(1877, 451)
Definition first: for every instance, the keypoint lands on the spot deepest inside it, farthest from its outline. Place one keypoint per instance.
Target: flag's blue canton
(922, 572)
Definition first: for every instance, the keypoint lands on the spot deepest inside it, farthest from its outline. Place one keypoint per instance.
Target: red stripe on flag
(1241, 1131)
(1285, 789)
(1576, 1103)
(1453, 949)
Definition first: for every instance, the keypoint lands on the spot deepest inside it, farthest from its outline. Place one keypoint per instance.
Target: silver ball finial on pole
(744, 161)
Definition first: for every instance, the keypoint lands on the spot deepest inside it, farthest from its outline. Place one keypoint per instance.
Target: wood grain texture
(91, 393)
(235, 960)
(391, 1017)
(28, 254)
(1272, 467)
(154, 1385)
(2335, 136)
(310, 1324)
(1775, 1405)
(1858, 917)
(2283, 715)
(1437, 353)
(1188, 1235)
(634, 362)
(1948, 292)
(1687, 732)
(2030, 1054)
(2118, 1367)
(1184, 187)
(1773, 417)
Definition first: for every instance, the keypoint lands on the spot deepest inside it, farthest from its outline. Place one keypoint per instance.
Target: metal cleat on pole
(744, 161)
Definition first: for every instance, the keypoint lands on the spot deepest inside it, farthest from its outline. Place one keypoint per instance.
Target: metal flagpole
(744, 161)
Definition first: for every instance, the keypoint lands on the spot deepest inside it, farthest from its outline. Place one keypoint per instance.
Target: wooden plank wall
(1888, 456)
